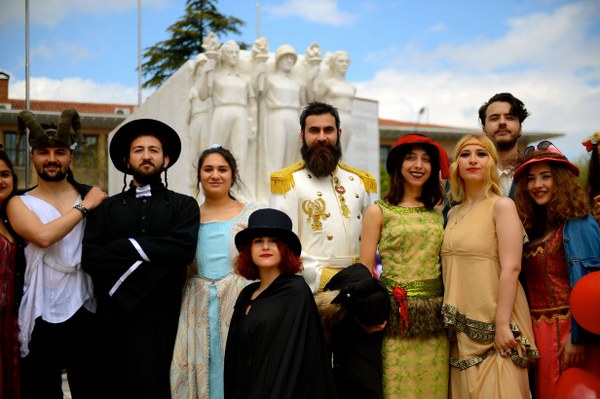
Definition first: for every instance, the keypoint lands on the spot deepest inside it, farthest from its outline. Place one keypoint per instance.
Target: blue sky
(446, 56)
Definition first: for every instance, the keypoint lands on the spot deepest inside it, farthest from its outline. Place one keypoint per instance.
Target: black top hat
(119, 145)
(366, 298)
(268, 222)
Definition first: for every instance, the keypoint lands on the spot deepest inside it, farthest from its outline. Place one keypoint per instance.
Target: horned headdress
(62, 136)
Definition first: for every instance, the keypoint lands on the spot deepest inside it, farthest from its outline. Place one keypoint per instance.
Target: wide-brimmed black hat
(119, 145)
(365, 297)
(268, 222)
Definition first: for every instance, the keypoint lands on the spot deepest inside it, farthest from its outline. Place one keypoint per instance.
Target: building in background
(98, 120)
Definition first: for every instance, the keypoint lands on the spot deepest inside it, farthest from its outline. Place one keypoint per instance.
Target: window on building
(17, 156)
(86, 155)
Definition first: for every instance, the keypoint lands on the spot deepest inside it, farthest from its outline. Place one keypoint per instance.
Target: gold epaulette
(282, 180)
(368, 180)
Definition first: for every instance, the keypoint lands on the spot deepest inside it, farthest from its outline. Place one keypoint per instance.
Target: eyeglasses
(541, 146)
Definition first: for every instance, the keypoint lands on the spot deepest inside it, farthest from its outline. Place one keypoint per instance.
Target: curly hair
(245, 267)
(568, 199)
(491, 180)
(432, 193)
(593, 180)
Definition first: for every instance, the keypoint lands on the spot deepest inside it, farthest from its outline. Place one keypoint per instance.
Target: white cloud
(321, 11)
(436, 28)
(59, 50)
(50, 13)
(548, 41)
(549, 61)
(75, 89)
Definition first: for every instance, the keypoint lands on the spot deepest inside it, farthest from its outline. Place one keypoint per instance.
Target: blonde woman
(485, 310)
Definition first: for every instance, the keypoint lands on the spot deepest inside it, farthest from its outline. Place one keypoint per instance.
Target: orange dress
(471, 274)
(546, 282)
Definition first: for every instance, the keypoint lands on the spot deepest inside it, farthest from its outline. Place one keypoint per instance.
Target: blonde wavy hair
(491, 180)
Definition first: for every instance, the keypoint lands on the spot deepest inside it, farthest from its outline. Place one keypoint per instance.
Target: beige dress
(471, 273)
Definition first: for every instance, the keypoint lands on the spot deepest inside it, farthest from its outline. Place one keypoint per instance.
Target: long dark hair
(229, 158)
(432, 193)
(593, 180)
(4, 157)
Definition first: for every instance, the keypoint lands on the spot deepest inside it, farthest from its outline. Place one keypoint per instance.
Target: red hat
(412, 138)
(549, 154)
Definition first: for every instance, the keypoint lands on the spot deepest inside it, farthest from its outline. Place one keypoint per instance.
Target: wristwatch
(81, 209)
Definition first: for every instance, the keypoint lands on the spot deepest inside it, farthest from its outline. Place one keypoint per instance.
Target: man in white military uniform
(325, 198)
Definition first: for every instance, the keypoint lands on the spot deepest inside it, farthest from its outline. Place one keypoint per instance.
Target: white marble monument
(250, 103)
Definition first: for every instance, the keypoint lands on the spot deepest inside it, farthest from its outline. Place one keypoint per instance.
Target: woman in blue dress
(212, 287)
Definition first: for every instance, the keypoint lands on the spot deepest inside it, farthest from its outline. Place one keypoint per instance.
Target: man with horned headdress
(56, 312)
(136, 247)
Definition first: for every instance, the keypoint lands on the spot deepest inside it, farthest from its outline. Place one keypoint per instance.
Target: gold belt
(430, 288)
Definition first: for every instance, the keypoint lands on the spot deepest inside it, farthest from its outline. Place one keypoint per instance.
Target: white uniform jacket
(326, 213)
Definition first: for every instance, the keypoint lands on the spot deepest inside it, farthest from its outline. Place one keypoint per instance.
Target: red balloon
(576, 383)
(585, 297)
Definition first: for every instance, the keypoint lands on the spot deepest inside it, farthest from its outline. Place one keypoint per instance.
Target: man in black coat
(136, 248)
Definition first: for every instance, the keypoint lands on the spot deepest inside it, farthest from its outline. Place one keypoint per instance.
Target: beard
(321, 158)
(60, 175)
(506, 145)
(143, 178)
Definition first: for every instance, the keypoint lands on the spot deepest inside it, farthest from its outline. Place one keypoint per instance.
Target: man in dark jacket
(136, 248)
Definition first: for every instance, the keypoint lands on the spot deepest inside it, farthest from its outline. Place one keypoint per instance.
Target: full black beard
(321, 158)
(145, 179)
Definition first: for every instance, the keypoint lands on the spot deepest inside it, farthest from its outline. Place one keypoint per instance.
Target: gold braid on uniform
(367, 178)
(282, 180)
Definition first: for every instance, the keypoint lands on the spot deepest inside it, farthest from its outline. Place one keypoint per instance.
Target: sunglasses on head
(541, 146)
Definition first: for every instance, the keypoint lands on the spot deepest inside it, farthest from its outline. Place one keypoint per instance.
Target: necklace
(460, 216)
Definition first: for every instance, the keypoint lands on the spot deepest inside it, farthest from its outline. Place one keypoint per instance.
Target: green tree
(201, 17)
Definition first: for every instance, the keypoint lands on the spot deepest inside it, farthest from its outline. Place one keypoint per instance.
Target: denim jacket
(581, 239)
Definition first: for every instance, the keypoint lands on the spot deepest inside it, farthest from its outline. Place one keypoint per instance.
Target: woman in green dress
(408, 230)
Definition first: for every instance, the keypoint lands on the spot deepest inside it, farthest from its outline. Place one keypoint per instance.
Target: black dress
(278, 349)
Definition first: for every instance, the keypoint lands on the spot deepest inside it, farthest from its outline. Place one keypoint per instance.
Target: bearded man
(56, 314)
(325, 198)
(501, 119)
(136, 248)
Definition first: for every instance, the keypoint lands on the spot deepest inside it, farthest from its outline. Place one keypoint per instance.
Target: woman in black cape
(275, 347)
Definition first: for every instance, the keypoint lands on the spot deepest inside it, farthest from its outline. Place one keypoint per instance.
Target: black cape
(278, 350)
(138, 324)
